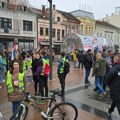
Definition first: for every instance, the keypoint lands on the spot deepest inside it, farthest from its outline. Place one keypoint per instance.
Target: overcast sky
(99, 7)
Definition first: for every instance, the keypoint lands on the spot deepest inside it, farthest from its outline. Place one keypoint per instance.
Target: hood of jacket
(101, 60)
(28, 59)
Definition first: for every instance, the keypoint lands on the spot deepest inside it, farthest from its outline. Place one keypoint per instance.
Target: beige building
(17, 25)
(114, 18)
(87, 25)
(63, 23)
(108, 31)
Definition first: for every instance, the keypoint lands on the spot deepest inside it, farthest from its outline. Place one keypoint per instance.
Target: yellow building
(87, 25)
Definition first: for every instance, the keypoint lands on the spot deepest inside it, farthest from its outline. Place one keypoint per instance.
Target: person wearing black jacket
(113, 81)
(35, 64)
(88, 59)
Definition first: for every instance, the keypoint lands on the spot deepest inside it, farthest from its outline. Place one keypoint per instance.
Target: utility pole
(50, 38)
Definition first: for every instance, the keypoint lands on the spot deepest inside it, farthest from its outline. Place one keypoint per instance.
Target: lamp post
(50, 38)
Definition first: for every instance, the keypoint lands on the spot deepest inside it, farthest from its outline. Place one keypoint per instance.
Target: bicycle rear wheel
(64, 111)
(20, 113)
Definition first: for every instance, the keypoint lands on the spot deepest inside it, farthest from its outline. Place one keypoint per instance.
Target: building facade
(114, 18)
(17, 25)
(109, 31)
(87, 25)
(63, 23)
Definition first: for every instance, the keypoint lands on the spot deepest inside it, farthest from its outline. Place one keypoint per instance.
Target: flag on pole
(14, 52)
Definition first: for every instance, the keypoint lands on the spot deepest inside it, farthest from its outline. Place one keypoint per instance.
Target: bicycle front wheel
(20, 114)
(64, 111)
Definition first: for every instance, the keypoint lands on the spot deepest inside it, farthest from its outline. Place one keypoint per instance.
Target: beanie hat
(89, 50)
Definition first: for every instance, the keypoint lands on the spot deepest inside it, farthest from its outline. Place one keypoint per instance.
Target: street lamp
(50, 38)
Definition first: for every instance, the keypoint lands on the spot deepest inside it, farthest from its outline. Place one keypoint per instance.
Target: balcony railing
(9, 31)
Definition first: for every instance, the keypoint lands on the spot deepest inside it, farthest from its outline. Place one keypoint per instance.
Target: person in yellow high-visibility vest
(15, 81)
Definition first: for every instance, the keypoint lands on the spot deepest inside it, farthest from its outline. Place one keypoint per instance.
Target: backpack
(47, 70)
(84, 60)
(66, 67)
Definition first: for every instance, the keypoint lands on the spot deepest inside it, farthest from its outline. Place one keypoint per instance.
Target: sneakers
(108, 112)
(87, 83)
(95, 89)
(103, 94)
(61, 94)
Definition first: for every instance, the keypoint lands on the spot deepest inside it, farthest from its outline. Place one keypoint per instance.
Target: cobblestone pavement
(90, 107)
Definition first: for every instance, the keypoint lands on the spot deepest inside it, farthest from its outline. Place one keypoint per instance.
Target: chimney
(43, 7)
(54, 7)
(46, 9)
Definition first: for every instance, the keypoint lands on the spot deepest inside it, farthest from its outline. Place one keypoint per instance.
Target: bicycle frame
(45, 115)
(49, 113)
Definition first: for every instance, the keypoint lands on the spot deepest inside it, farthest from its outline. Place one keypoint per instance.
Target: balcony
(9, 31)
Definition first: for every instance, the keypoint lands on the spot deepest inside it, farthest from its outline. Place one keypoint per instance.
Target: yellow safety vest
(10, 84)
(62, 67)
(29, 63)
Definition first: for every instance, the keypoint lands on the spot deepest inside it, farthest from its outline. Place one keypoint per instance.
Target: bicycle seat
(56, 91)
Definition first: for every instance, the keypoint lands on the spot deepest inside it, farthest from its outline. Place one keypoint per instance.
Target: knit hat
(89, 50)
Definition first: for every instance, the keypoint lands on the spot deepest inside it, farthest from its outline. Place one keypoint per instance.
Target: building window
(2, 5)
(41, 30)
(5, 23)
(53, 32)
(58, 19)
(63, 33)
(58, 34)
(46, 31)
(24, 8)
(81, 29)
(86, 30)
(27, 25)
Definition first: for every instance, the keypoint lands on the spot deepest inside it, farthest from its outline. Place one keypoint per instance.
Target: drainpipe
(37, 32)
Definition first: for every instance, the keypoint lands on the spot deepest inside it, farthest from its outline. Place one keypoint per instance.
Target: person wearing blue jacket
(3, 64)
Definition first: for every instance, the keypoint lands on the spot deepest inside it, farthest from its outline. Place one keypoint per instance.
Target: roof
(69, 16)
(81, 13)
(40, 13)
(106, 24)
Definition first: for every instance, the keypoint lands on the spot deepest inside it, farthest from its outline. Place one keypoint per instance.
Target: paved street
(89, 106)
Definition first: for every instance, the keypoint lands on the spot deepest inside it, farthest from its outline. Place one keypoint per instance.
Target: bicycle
(60, 111)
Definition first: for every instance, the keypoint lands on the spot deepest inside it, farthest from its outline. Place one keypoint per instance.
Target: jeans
(99, 84)
(15, 105)
(87, 73)
(29, 79)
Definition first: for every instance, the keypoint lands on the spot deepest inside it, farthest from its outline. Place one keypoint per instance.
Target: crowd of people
(106, 70)
(27, 66)
(19, 70)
